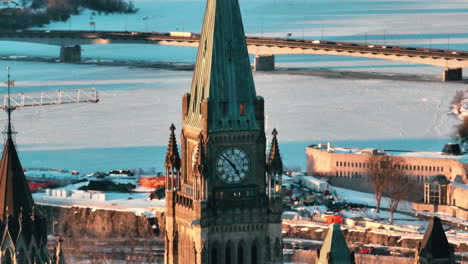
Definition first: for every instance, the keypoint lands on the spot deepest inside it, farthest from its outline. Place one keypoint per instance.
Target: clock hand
(231, 163)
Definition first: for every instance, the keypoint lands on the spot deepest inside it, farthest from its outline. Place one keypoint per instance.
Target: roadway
(451, 59)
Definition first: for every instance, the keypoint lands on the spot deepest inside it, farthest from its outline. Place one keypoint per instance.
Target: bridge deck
(256, 45)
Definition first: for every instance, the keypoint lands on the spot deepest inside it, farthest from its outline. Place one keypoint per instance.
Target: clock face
(233, 165)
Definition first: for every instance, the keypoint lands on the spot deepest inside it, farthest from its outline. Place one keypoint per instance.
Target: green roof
(434, 245)
(334, 248)
(223, 75)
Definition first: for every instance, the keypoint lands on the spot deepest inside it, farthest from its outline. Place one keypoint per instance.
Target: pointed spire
(172, 156)
(14, 190)
(334, 248)
(223, 75)
(435, 245)
(199, 162)
(275, 163)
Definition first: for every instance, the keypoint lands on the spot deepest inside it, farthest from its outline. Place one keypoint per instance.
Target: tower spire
(222, 80)
(275, 163)
(172, 155)
(172, 162)
(15, 196)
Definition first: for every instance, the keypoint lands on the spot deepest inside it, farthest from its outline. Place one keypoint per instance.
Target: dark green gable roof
(435, 245)
(334, 248)
(15, 197)
(223, 75)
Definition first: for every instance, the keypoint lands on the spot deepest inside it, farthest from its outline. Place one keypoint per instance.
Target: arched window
(214, 255)
(22, 256)
(7, 257)
(227, 255)
(278, 250)
(33, 256)
(240, 254)
(267, 250)
(254, 254)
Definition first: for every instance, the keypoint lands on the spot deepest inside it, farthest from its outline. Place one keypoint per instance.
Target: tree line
(24, 14)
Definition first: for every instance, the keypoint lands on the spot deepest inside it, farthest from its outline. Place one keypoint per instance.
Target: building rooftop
(435, 245)
(392, 152)
(334, 248)
(439, 178)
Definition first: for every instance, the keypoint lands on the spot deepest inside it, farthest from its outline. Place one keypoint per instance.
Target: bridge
(71, 41)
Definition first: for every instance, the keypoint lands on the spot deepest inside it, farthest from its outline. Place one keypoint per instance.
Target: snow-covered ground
(128, 128)
(137, 202)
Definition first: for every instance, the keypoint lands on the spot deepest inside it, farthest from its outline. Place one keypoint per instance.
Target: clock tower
(222, 195)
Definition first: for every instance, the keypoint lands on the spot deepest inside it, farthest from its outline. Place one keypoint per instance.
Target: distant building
(435, 190)
(440, 195)
(347, 167)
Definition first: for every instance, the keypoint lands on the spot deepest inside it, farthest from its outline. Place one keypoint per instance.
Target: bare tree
(397, 188)
(456, 102)
(461, 133)
(379, 169)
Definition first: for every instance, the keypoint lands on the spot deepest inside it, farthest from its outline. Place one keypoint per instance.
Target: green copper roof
(434, 244)
(334, 248)
(223, 75)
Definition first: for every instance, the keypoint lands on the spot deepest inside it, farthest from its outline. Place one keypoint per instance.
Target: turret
(274, 168)
(172, 163)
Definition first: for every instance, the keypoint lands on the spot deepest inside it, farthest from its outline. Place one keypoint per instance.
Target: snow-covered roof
(401, 153)
(310, 178)
(460, 185)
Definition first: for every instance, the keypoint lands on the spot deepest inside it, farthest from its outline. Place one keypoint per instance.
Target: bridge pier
(264, 62)
(452, 74)
(70, 54)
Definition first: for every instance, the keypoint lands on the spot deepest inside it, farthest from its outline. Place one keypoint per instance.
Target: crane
(88, 95)
(11, 102)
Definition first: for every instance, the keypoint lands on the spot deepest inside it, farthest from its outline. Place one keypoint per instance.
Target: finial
(274, 132)
(172, 155)
(8, 107)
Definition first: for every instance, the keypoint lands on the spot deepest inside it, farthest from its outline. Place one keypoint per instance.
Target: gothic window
(175, 243)
(278, 250)
(240, 254)
(22, 256)
(242, 109)
(214, 255)
(254, 254)
(224, 108)
(228, 255)
(33, 257)
(7, 257)
(267, 250)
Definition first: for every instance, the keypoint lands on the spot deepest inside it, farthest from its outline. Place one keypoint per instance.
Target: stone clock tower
(222, 200)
